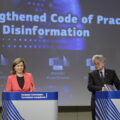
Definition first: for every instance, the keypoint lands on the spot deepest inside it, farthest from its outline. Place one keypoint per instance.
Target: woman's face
(19, 68)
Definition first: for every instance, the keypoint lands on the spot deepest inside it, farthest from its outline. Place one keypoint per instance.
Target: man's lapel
(98, 77)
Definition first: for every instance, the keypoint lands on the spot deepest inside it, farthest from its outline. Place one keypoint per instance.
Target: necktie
(101, 75)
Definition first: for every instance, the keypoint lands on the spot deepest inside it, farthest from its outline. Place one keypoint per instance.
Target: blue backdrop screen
(57, 40)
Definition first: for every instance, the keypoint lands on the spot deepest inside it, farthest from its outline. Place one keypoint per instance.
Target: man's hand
(104, 89)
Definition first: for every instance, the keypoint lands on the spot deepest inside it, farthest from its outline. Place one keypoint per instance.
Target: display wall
(57, 40)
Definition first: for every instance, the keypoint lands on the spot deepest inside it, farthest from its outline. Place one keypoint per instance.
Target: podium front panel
(29, 106)
(107, 105)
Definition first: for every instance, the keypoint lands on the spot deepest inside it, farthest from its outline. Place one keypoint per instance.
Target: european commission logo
(3, 60)
(58, 63)
(90, 64)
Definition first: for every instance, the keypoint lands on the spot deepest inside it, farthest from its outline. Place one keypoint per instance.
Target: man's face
(98, 65)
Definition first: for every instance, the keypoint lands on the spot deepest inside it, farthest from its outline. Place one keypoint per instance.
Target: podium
(29, 106)
(107, 105)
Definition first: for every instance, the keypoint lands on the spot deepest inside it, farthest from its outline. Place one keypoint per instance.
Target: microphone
(32, 86)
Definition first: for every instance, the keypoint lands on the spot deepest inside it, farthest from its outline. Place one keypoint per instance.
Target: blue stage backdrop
(57, 39)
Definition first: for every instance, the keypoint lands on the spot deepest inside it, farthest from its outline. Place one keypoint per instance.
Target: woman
(20, 81)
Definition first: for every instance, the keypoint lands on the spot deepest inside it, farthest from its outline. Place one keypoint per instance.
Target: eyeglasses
(97, 64)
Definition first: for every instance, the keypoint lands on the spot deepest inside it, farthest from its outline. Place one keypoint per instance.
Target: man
(99, 77)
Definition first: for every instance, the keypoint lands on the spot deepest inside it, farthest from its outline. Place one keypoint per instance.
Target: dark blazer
(95, 83)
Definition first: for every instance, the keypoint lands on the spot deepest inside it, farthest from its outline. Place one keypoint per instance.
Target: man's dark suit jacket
(95, 83)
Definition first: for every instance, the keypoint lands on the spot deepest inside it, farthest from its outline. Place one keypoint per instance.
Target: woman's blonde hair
(17, 61)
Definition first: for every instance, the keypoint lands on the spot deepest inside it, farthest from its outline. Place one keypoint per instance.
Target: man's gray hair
(101, 58)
